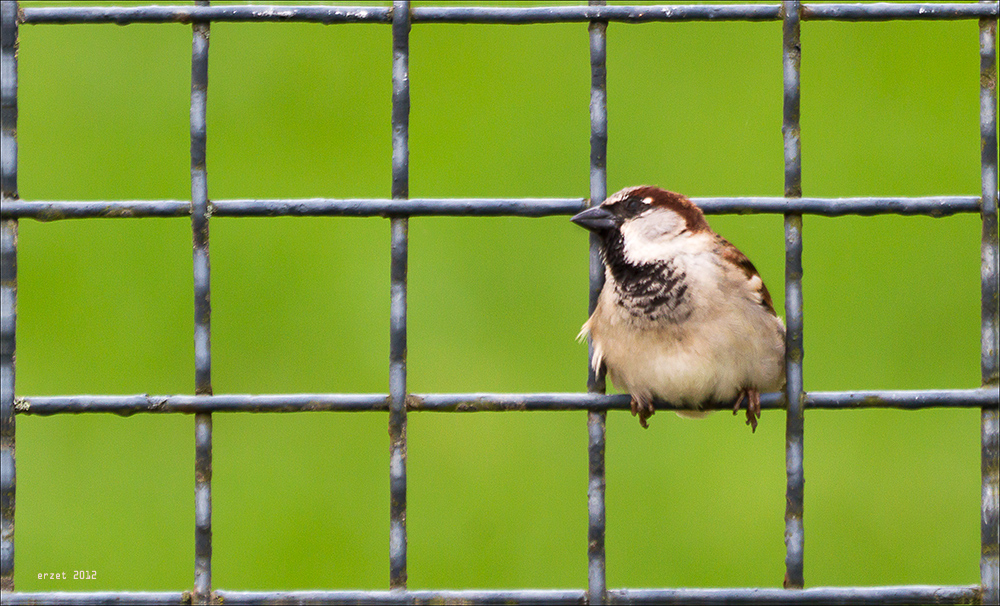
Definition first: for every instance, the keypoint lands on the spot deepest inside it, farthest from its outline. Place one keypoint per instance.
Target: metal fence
(401, 16)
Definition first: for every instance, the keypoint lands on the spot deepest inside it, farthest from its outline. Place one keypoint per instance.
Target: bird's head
(643, 224)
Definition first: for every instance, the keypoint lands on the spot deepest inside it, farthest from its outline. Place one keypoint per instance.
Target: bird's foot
(643, 408)
(753, 406)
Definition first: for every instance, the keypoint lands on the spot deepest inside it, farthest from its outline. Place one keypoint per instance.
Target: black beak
(596, 219)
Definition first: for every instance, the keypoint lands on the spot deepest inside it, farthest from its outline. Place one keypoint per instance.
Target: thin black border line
(398, 400)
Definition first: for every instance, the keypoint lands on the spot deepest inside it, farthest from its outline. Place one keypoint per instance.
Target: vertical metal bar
(597, 421)
(202, 314)
(397, 312)
(794, 392)
(989, 566)
(8, 286)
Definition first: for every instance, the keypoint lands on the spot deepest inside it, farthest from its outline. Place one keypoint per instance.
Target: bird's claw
(643, 409)
(753, 407)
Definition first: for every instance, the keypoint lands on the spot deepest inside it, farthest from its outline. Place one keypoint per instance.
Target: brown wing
(730, 253)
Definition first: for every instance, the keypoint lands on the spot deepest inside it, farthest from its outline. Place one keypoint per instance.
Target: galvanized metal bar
(794, 390)
(736, 12)
(903, 594)
(886, 11)
(398, 269)
(124, 15)
(597, 585)
(202, 593)
(906, 594)
(989, 565)
(318, 597)
(56, 210)
(109, 598)
(562, 14)
(903, 400)
(8, 471)
(935, 206)
(132, 404)
(8, 287)
(478, 402)
(202, 509)
(502, 15)
(458, 207)
(200, 209)
(309, 207)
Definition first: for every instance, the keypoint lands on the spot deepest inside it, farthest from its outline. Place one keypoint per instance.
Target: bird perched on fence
(683, 317)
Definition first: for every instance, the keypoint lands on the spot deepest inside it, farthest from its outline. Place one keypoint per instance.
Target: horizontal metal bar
(516, 596)
(129, 405)
(123, 15)
(935, 206)
(499, 15)
(885, 11)
(563, 14)
(903, 594)
(906, 400)
(476, 402)
(476, 207)
(304, 207)
(965, 398)
(96, 598)
(92, 209)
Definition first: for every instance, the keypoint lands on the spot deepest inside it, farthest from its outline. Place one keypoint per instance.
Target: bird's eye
(634, 206)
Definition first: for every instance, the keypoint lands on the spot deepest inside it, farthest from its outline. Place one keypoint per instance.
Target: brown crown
(667, 199)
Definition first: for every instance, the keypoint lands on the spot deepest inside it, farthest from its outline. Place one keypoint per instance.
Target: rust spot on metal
(795, 354)
(871, 401)
(124, 213)
(22, 406)
(988, 78)
(50, 215)
(182, 17)
(412, 402)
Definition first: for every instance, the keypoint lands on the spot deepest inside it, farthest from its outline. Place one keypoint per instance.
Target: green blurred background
(301, 304)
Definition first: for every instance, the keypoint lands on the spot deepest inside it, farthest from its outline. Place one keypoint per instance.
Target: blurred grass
(301, 304)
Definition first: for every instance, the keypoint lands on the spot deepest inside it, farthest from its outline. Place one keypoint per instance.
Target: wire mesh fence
(399, 401)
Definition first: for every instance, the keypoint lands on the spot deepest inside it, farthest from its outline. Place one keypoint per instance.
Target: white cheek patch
(639, 248)
(653, 237)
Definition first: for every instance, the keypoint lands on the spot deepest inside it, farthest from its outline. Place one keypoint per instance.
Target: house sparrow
(684, 316)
